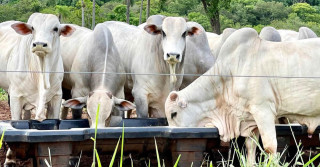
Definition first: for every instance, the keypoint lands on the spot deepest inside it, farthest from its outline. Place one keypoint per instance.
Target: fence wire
(162, 74)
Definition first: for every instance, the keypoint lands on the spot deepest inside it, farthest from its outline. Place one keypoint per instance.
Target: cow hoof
(10, 164)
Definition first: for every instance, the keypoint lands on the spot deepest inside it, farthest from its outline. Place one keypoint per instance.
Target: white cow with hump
(158, 49)
(198, 56)
(242, 105)
(93, 51)
(33, 46)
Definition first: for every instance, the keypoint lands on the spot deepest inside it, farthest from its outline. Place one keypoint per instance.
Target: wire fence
(163, 74)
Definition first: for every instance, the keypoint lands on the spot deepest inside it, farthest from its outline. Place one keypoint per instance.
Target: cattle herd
(240, 81)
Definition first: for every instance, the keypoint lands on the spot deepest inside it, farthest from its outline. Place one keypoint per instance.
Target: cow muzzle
(172, 60)
(40, 48)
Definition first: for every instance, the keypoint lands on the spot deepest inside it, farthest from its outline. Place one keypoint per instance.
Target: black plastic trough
(74, 136)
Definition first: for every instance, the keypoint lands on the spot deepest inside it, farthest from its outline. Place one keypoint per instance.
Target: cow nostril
(34, 45)
(45, 45)
(178, 56)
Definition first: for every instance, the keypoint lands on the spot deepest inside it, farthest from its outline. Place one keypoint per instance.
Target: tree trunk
(213, 17)
(128, 11)
(93, 14)
(140, 12)
(215, 23)
(148, 9)
(82, 12)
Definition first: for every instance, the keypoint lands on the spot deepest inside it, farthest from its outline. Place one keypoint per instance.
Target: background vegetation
(213, 15)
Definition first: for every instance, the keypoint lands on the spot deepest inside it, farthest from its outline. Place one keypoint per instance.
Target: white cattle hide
(94, 51)
(240, 105)
(158, 49)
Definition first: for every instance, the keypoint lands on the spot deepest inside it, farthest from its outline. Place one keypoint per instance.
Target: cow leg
(54, 107)
(251, 147)
(265, 119)
(15, 108)
(10, 159)
(141, 101)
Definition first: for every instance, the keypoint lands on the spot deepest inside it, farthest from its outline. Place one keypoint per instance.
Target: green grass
(3, 95)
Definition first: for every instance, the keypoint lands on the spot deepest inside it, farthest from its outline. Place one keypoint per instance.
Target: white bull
(32, 46)
(93, 51)
(158, 49)
(240, 105)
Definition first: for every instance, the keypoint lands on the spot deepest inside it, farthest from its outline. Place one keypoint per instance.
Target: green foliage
(306, 12)
(201, 19)
(3, 95)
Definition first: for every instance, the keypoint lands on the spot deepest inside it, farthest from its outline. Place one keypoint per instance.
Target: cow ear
(76, 103)
(22, 28)
(152, 29)
(67, 30)
(123, 105)
(194, 30)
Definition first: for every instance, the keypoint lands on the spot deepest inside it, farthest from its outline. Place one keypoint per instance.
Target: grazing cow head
(45, 30)
(106, 100)
(173, 31)
(185, 110)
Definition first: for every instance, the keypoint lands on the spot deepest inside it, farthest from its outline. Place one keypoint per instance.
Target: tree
(128, 11)
(141, 6)
(82, 13)
(148, 9)
(93, 14)
(212, 8)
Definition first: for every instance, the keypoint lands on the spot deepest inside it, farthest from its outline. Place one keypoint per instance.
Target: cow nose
(177, 55)
(40, 44)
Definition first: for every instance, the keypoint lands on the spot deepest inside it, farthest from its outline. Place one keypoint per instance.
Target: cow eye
(163, 34)
(55, 29)
(32, 28)
(184, 34)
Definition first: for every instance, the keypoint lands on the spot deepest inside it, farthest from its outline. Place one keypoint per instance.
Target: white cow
(270, 34)
(198, 57)
(241, 105)
(304, 33)
(32, 46)
(158, 49)
(216, 41)
(93, 51)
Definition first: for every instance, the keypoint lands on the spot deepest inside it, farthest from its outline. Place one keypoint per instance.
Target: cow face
(173, 31)
(45, 30)
(106, 100)
(181, 113)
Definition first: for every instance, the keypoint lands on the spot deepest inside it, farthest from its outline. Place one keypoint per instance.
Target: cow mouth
(172, 61)
(39, 51)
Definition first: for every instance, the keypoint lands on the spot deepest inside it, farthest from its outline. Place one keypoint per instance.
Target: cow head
(107, 102)
(173, 31)
(45, 30)
(185, 110)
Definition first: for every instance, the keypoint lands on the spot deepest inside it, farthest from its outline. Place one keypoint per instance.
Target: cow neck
(212, 92)
(33, 63)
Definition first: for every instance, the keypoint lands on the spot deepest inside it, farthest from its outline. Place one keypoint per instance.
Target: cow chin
(40, 53)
